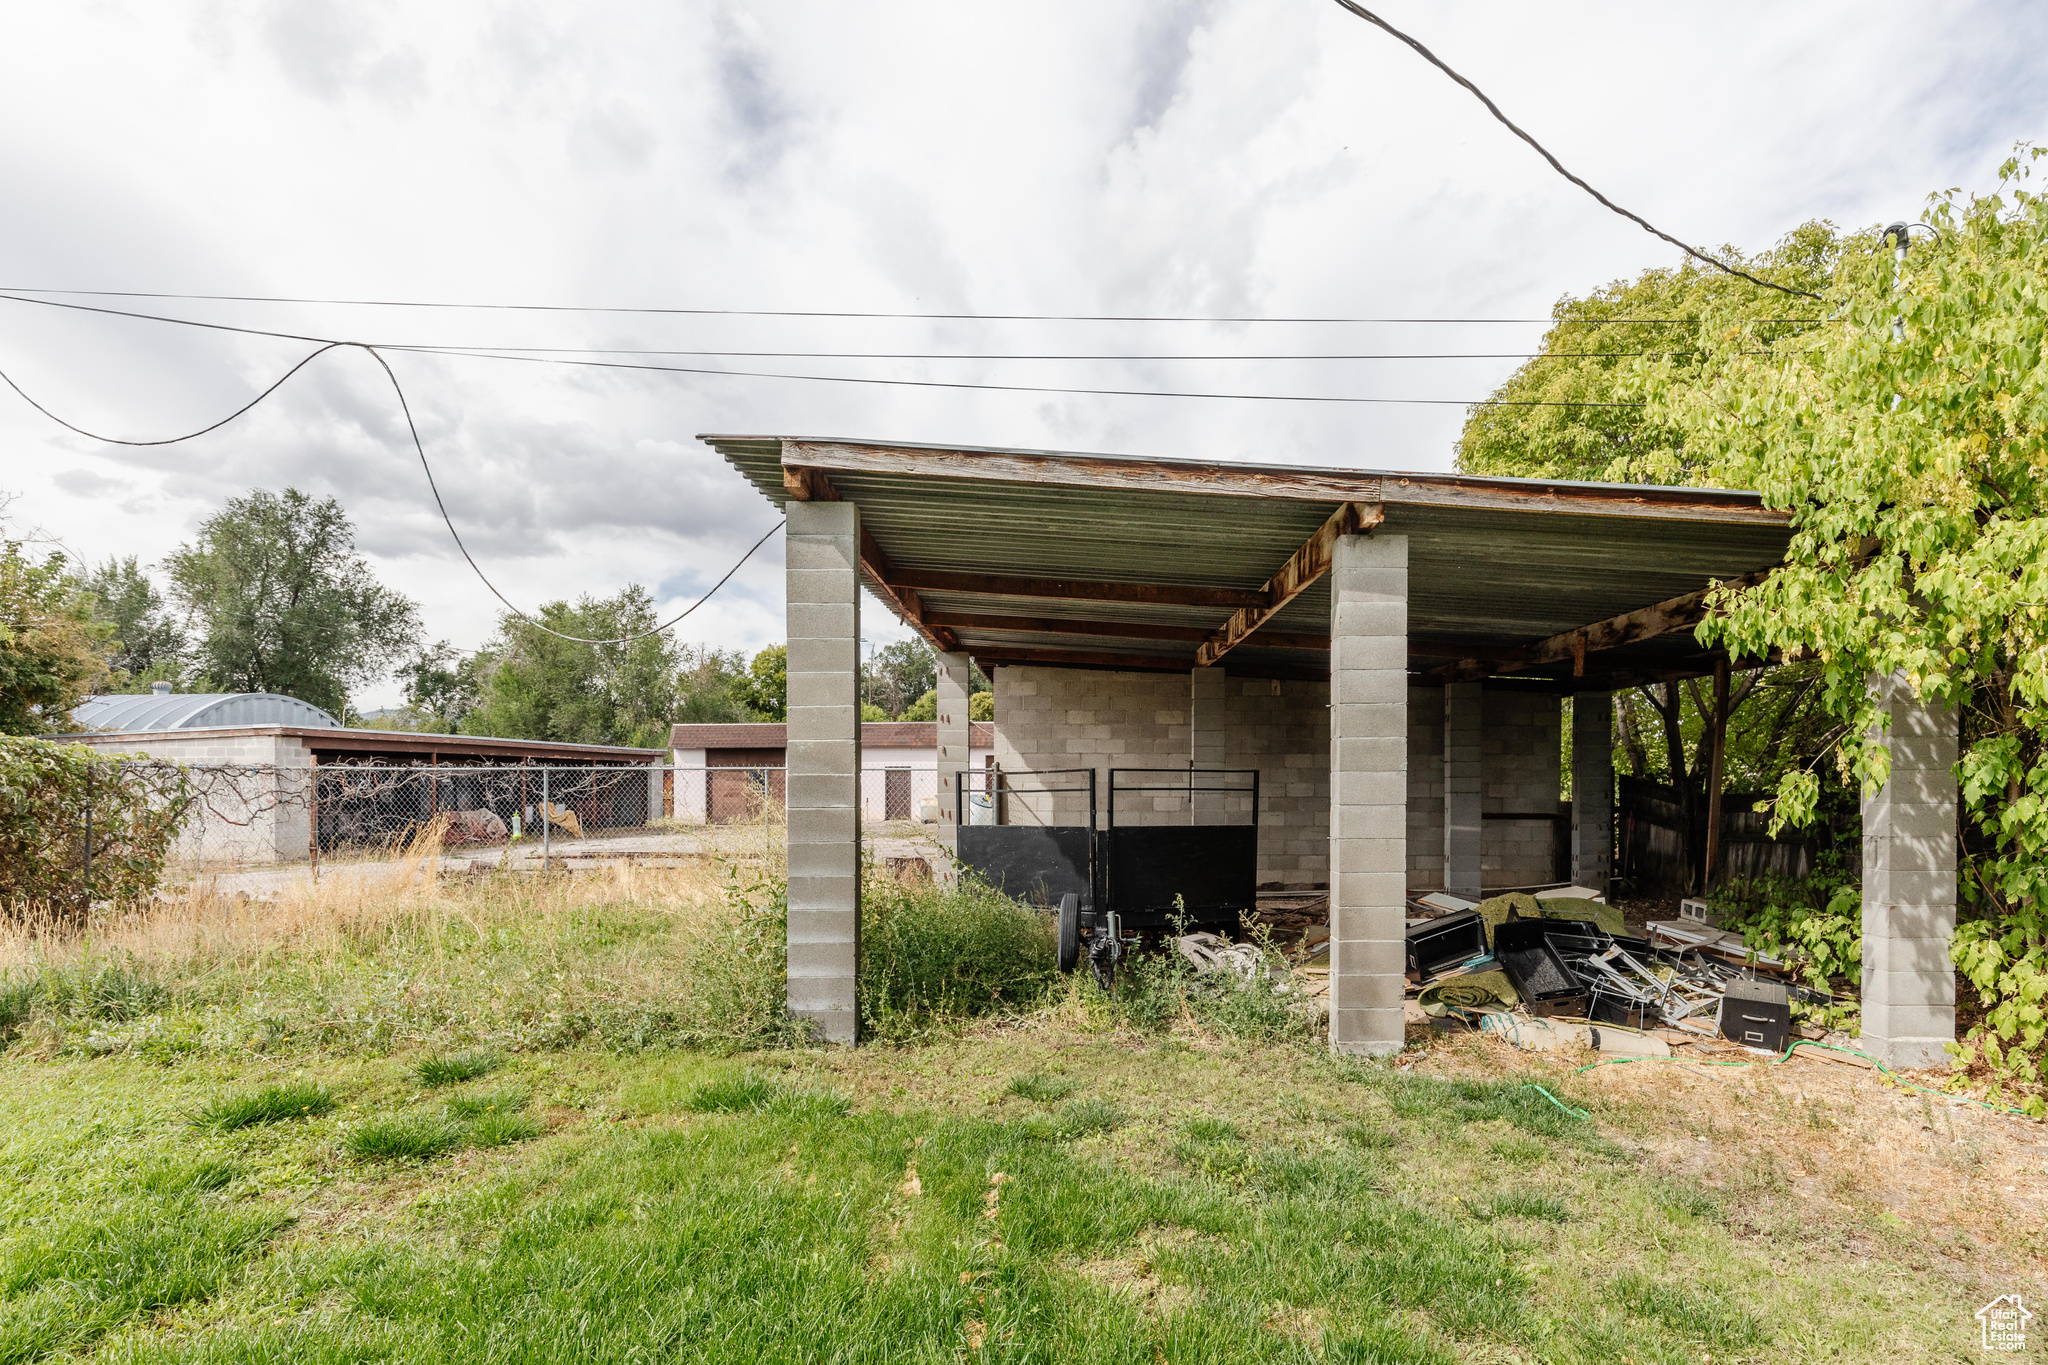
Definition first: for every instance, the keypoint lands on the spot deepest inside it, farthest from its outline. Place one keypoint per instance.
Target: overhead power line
(1645, 224)
(432, 486)
(1029, 388)
(490, 354)
(1013, 355)
(825, 313)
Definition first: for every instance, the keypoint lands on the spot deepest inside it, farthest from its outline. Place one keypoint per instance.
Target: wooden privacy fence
(1658, 859)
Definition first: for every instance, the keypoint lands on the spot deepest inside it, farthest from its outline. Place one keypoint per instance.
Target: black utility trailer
(1178, 847)
(1040, 859)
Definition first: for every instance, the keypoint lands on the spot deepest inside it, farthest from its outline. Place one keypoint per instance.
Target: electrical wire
(825, 313)
(1363, 13)
(485, 354)
(426, 467)
(1036, 388)
(1012, 355)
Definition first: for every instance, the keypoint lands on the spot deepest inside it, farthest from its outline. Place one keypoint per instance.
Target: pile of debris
(1557, 969)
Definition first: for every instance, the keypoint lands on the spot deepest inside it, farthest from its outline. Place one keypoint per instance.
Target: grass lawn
(337, 1165)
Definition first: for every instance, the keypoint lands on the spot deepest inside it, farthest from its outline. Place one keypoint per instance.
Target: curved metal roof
(147, 712)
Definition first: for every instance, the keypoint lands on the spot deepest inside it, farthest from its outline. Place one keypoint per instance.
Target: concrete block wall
(1521, 774)
(1425, 788)
(1909, 884)
(1282, 728)
(1048, 718)
(257, 818)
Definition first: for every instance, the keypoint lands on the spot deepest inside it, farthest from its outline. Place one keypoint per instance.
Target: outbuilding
(1387, 652)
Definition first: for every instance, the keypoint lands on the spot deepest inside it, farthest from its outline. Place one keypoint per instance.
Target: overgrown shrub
(1814, 924)
(1159, 989)
(931, 953)
(51, 795)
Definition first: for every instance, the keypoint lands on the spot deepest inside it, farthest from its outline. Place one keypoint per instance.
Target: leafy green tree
(538, 686)
(1574, 410)
(53, 653)
(442, 686)
(897, 675)
(766, 686)
(150, 644)
(282, 602)
(712, 686)
(1908, 439)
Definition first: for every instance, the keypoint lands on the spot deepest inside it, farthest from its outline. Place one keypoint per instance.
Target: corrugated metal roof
(1494, 564)
(148, 712)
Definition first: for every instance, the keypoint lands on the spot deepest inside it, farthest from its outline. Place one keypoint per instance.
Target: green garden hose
(1828, 1047)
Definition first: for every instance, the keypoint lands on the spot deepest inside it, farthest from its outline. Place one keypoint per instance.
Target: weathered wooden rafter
(1302, 568)
(814, 485)
(1645, 623)
(1147, 663)
(1008, 585)
(1129, 630)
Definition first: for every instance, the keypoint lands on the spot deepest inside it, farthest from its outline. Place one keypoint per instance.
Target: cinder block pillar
(1593, 789)
(1464, 828)
(1206, 742)
(955, 686)
(1909, 885)
(1368, 791)
(823, 621)
(1205, 717)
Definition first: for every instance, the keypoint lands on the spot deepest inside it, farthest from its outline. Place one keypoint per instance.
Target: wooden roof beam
(1147, 663)
(1005, 585)
(1302, 568)
(814, 485)
(1645, 623)
(1128, 630)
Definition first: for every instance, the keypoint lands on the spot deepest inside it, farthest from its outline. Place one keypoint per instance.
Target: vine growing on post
(1914, 461)
(79, 828)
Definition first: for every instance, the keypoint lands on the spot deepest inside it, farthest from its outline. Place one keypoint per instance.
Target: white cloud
(1198, 156)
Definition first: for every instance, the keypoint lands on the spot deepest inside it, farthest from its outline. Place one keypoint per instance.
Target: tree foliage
(538, 686)
(282, 602)
(149, 643)
(1914, 461)
(766, 687)
(52, 796)
(53, 653)
(1573, 412)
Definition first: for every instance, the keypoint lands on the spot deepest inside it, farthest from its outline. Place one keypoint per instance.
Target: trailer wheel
(1070, 932)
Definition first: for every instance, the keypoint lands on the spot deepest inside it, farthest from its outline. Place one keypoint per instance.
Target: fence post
(313, 817)
(546, 820)
(90, 770)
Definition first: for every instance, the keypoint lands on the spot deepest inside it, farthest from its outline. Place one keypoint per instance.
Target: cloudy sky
(1256, 158)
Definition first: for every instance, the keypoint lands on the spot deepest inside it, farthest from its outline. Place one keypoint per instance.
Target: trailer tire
(1070, 932)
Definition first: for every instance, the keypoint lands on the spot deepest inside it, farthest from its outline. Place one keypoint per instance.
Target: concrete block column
(1593, 789)
(1206, 748)
(955, 686)
(1207, 744)
(1909, 885)
(823, 621)
(1368, 791)
(1464, 826)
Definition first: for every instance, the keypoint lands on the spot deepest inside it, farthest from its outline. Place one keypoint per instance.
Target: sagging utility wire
(1645, 224)
(426, 467)
(488, 354)
(825, 313)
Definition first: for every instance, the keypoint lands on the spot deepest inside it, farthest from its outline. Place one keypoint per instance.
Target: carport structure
(1370, 598)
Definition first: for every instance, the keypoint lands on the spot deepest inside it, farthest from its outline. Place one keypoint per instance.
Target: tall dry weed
(378, 955)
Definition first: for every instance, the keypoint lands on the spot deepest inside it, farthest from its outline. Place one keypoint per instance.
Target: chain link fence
(257, 815)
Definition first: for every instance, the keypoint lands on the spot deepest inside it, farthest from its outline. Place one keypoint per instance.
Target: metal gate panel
(1037, 863)
(1213, 869)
